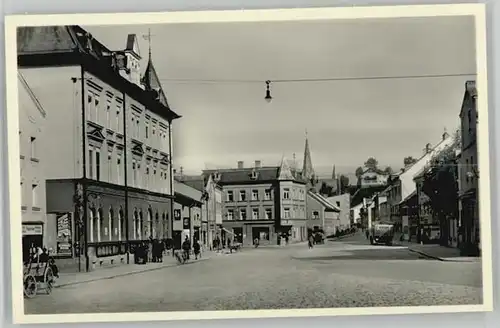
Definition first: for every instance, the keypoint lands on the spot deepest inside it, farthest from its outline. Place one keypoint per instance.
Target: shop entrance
(238, 235)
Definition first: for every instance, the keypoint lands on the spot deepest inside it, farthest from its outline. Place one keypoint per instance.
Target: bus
(382, 233)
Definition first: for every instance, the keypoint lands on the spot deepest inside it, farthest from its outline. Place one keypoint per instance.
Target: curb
(125, 274)
(427, 255)
(439, 258)
(340, 238)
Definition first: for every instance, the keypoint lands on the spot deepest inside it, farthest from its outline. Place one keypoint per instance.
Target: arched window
(91, 221)
(121, 228)
(164, 225)
(100, 222)
(141, 225)
(149, 224)
(136, 224)
(111, 222)
(157, 229)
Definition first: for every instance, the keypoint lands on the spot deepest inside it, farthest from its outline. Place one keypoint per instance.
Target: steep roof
(152, 83)
(235, 176)
(44, 39)
(365, 193)
(307, 167)
(132, 45)
(323, 201)
(187, 191)
(197, 182)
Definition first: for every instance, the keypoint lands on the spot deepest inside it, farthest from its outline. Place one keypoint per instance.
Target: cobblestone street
(347, 273)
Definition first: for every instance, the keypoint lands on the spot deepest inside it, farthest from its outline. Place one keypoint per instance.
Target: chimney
(240, 164)
(257, 164)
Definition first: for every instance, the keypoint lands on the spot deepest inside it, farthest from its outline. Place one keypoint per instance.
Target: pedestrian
(311, 242)
(196, 249)
(229, 245)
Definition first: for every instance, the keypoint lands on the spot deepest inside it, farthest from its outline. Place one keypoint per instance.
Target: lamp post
(268, 97)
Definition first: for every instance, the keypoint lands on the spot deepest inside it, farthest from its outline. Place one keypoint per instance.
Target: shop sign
(286, 222)
(32, 229)
(177, 214)
(64, 234)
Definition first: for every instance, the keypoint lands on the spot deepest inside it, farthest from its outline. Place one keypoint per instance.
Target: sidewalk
(68, 279)
(437, 252)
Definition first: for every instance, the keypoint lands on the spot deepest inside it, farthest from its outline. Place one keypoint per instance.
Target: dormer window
(216, 176)
(253, 175)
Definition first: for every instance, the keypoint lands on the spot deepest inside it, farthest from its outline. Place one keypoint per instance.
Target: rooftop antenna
(149, 38)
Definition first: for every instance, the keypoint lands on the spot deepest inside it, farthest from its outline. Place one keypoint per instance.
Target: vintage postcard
(249, 164)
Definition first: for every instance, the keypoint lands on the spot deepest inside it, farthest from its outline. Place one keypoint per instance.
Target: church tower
(307, 168)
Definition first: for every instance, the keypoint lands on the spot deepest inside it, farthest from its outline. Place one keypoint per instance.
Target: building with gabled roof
(402, 184)
(107, 143)
(263, 202)
(322, 215)
(211, 210)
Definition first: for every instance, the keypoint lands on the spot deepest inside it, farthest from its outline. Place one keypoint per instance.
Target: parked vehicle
(382, 234)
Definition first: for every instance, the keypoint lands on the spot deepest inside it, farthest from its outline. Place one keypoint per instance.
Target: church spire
(307, 167)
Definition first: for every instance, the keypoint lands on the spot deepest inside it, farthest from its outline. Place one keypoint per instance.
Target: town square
(226, 166)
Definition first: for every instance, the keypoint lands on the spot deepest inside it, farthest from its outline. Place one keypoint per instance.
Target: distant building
(187, 213)
(373, 177)
(469, 172)
(107, 144)
(36, 230)
(263, 202)
(343, 202)
(403, 187)
(211, 213)
(322, 215)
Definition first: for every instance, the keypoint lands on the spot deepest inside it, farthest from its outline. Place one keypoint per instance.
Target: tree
(371, 163)
(409, 160)
(343, 184)
(441, 186)
(325, 189)
(359, 172)
(388, 170)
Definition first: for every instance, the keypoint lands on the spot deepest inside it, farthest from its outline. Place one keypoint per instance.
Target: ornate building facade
(108, 142)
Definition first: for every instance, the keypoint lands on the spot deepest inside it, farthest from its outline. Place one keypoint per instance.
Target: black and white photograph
(171, 165)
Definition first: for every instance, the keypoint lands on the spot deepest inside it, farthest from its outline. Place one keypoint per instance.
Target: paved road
(349, 273)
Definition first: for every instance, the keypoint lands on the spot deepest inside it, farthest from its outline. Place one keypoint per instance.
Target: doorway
(31, 242)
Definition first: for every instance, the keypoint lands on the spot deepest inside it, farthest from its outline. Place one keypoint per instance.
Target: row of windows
(112, 118)
(157, 134)
(114, 228)
(295, 194)
(241, 214)
(255, 195)
(153, 177)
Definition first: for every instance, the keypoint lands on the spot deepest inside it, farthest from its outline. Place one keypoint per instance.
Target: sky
(346, 121)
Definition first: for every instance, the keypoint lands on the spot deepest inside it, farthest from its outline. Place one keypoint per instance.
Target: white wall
(60, 97)
(407, 184)
(32, 124)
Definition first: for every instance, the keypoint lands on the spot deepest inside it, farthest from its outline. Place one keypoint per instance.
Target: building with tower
(107, 146)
